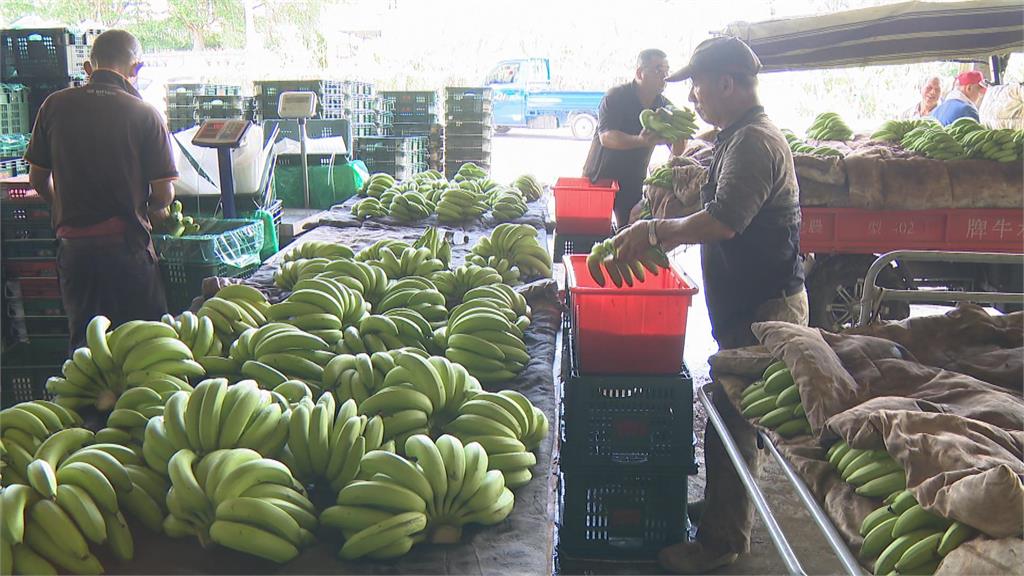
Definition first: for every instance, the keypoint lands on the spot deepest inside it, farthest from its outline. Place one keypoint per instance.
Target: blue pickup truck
(522, 99)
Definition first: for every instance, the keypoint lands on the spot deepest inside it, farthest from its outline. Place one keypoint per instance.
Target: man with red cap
(963, 101)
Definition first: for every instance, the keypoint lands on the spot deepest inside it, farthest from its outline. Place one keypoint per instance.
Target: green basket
(235, 242)
(184, 281)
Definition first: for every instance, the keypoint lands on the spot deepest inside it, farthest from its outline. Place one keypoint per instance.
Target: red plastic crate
(637, 329)
(42, 268)
(582, 207)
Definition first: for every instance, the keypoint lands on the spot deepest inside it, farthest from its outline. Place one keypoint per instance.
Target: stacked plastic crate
(14, 129)
(468, 128)
(627, 421)
(355, 101)
(189, 105)
(418, 113)
(399, 156)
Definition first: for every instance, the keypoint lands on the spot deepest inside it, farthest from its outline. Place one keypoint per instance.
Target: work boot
(693, 558)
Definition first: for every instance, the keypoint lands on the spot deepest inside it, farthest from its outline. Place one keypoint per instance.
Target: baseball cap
(970, 77)
(725, 54)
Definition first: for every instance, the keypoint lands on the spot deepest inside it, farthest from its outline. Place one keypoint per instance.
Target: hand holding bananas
(174, 222)
(672, 124)
(626, 256)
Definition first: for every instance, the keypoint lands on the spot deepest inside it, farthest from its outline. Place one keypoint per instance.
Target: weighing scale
(225, 136)
(299, 106)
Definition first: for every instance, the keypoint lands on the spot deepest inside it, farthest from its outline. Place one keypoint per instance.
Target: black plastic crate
(30, 248)
(186, 94)
(41, 90)
(363, 130)
(402, 128)
(575, 244)
(17, 307)
(267, 93)
(44, 54)
(470, 143)
(183, 282)
(27, 366)
(464, 155)
(620, 513)
(468, 128)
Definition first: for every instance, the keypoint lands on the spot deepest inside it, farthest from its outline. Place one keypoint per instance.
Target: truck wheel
(835, 287)
(583, 126)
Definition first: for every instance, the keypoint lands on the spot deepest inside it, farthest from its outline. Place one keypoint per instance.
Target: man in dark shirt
(621, 149)
(750, 254)
(102, 159)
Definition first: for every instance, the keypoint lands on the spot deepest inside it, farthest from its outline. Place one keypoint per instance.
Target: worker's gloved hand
(632, 242)
(652, 138)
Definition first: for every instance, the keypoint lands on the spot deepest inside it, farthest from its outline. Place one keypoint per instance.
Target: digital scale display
(220, 133)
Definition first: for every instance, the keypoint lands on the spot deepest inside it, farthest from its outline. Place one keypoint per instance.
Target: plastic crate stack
(31, 289)
(627, 416)
(355, 101)
(189, 105)
(399, 156)
(14, 129)
(44, 60)
(468, 128)
(418, 113)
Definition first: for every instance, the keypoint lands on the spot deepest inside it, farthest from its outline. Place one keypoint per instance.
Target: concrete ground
(553, 153)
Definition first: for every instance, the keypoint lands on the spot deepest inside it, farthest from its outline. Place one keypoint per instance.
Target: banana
(96, 339)
(142, 506)
(37, 538)
(14, 500)
(884, 485)
(400, 470)
(878, 539)
(26, 559)
(249, 474)
(862, 460)
(54, 448)
(384, 495)
(191, 495)
(119, 537)
(59, 527)
(874, 519)
(19, 418)
(955, 535)
(922, 552)
(252, 540)
(42, 478)
(261, 514)
(429, 459)
(916, 518)
(115, 472)
(352, 518)
(382, 534)
(894, 552)
(209, 413)
(874, 470)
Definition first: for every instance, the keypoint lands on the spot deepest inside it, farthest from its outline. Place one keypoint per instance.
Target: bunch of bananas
(177, 224)
(603, 254)
(829, 126)
(377, 184)
(439, 246)
(375, 250)
(934, 142)
(411, 262)
(291, 272)
(357, 376)
(318, 249)
(507, 204)
(672, 124)
(486, 336)
(217, 416)
(326, 444)
(23, 427)
(240, 500)
(470, 171)
(370, 281)
(134, 352)
(874, 472)
(518, 244)
(293, 391)
(197, 333)
(428, 176)
(509, 272)
(961, 127)
(431, 189)
(1002, 145)
(660, 177)
(903, 536)
(895, 130)
(775, 401)
(529, 186)
(277, 352)
(455, 283)
(507, 426)
(321, 306)
(369, 208)
(418, 294)
(235, 309)
(381, 333)
(798, 146)
(126, 424)
(460, 202)
(410, 206)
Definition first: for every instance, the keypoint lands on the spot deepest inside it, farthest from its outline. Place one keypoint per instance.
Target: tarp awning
(902, 33)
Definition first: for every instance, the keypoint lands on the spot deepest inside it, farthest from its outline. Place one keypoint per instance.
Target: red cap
(970, 77)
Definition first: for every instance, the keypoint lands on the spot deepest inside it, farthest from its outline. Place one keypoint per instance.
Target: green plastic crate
(27, 366)
(235, 242)
(184, 281)
(14, 110)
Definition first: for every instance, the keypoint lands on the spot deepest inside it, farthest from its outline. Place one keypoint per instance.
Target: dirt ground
(553, 153)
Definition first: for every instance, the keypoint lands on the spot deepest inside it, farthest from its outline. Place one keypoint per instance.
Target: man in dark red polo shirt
(102, 159)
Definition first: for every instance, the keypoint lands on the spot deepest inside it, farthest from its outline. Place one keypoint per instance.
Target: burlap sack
(986, 184)
(916, 184)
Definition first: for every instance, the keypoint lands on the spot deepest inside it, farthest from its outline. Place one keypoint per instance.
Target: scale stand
(225, 136)
(300, 106)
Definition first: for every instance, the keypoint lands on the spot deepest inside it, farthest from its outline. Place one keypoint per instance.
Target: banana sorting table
(522, 544)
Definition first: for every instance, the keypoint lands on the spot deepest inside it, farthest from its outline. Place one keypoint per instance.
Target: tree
(209, 23)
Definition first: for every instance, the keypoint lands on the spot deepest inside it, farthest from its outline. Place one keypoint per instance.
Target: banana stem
(446, 534)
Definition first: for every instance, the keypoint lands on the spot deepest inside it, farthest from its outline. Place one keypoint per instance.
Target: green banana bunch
(280, 351)
(518, 244)
(377, 184)
(326, 442)
(454, 284)
(961, 127)
(603, 255)
(23, 428)
(410, 207)
(393, 330)
(235, 309)
(895, 130)
(322, 306)
(507, 204)
(660, 177)
(375, 250)
(829, 126)
(461, 201)
(126, 424)
(291, 272)
(369, 208)
(673, 124)
(198, 333)
(318, 249)
(874, 472)
(437, 243)
(369, 280)
(529, 186)
(785, 413)
(904, 537)
(428, 176)
(509, 272)
(240, 500)
(132, 353)
(1002, 145)
(177, 224)
(418, 294)
(485, 334)
(411, 262)
(358, 376)
(470, 171)
(934, 142)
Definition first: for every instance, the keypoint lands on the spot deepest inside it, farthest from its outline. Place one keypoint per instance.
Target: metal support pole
(305, 163)
(227, 182)
(820, 518)
(778, 537)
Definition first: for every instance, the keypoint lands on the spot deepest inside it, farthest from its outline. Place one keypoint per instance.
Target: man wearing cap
(749, 232)
(621, 149)
(101, 157)
(963, 101)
